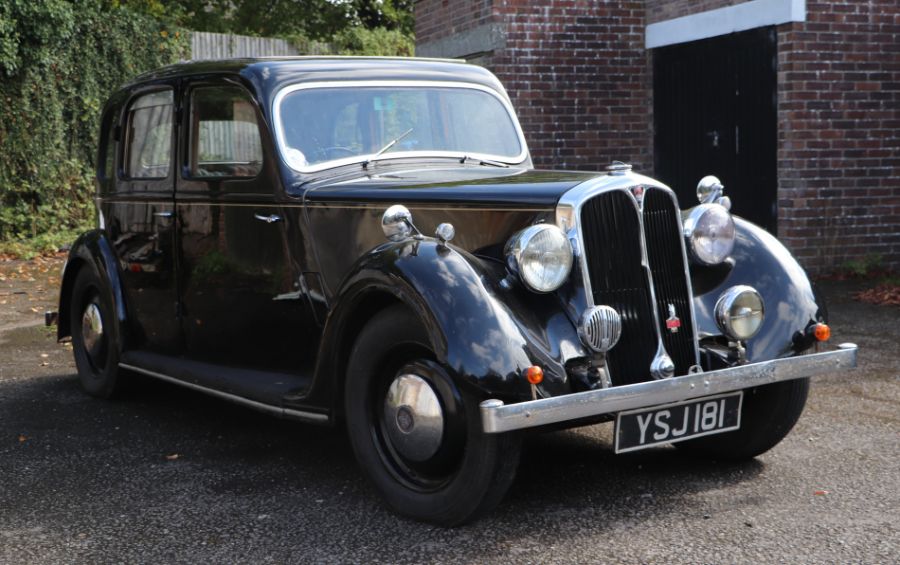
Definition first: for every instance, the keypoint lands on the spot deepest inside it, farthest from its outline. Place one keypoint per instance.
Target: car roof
(270, 73)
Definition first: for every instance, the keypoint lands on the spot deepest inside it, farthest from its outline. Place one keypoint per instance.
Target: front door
(240, 293)
(715, 113)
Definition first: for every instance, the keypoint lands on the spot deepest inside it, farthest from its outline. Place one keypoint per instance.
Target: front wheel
(768, 414)
(415, 435)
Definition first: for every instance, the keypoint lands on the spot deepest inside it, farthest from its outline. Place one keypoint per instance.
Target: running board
(255, 404)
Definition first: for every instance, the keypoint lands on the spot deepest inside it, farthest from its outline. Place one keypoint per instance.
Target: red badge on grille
(673, 322)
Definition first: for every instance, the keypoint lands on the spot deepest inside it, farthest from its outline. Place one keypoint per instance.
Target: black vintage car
(365, 240)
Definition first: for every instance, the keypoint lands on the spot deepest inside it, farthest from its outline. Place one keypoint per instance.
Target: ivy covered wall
(59, 61)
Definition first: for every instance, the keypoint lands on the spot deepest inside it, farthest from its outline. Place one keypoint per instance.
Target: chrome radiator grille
(664, 253)
(614, 228)
(612, 245)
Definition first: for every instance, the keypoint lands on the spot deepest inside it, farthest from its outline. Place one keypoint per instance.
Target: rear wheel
(769, 412)
(95, 335)
(416, 436)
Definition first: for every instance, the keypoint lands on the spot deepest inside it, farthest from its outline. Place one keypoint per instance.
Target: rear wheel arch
(73, 267)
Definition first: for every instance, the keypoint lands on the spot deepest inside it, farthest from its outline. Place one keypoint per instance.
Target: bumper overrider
(498, 417)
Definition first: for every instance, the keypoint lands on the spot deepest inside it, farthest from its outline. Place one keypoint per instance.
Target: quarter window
(148, 151)
(225, 139)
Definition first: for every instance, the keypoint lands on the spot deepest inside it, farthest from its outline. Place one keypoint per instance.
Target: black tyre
(415, 435)
(768, 414)
(95, 335)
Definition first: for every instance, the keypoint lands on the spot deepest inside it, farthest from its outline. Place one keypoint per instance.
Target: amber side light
(534, 374)
(822, 332)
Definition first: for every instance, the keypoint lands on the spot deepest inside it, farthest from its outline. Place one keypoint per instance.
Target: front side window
(327, 125)
(148, 148)
(224, 139)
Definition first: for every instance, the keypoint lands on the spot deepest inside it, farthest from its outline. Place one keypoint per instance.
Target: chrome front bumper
(498, 417)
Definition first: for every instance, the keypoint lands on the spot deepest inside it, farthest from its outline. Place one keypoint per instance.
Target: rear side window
(148, 147)
(224, 140)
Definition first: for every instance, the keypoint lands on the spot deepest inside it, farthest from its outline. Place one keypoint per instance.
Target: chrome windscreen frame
(500, 96)
(568, 218)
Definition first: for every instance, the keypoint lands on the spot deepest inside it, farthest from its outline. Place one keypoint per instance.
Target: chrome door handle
(166, 214)
(271, 219)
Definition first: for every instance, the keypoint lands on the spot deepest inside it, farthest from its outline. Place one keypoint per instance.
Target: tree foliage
(59, 61)
(316, 19)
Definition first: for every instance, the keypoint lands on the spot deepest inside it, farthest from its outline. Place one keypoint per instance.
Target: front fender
(480, 331)
(91, 250)
(761, 261)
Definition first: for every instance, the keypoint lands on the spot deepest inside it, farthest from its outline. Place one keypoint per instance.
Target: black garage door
(715, 113)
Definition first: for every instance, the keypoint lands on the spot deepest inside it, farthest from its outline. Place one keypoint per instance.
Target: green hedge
(358, 41)
(59, 61)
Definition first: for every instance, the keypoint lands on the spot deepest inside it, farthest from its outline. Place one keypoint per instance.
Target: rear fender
(93, 251)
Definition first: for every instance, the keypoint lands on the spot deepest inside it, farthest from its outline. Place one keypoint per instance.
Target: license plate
(645, 427)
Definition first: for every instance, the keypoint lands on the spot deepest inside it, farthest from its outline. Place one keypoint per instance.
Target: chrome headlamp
(541, 256)
(740, 312)
(709, 231)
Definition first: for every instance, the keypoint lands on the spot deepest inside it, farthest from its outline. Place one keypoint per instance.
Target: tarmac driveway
(170, 476)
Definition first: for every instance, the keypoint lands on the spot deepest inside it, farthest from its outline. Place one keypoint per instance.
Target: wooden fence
(206, 45)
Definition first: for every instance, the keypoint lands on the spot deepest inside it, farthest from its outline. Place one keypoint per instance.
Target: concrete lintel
(721, 21)
(481, 39)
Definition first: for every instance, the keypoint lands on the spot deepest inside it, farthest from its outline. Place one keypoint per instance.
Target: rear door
(240, 291)
(138, 215)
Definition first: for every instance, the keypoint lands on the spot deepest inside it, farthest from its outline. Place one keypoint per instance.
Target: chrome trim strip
(462, 207)
(497, 417)
(290, 413)
(507, 159)
(687, 272)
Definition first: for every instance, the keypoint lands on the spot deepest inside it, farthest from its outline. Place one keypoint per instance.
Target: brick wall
(839, 133)
(576, 71)
(441, 18)
(662, 10)
(580, 79)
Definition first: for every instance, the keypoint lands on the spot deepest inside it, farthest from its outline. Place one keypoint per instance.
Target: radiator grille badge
(673, 322)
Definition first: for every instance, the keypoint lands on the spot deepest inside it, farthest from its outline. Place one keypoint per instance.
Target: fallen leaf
(35, 310)
(886, 294)
(172, 457)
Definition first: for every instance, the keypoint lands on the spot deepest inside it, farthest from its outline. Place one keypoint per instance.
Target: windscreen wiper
(390, 144)
(487, 162)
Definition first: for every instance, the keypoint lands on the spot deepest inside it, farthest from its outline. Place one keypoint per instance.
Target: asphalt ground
(170, 476)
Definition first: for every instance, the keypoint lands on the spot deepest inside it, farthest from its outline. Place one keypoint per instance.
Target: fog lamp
(740, 312)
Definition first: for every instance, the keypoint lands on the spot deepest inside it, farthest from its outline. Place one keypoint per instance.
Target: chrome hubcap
(92, 328)
(413, 418)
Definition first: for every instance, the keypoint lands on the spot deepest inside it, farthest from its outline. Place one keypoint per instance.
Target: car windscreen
(322, 126)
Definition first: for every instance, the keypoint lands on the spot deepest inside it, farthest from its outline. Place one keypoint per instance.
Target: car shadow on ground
(569, 469)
